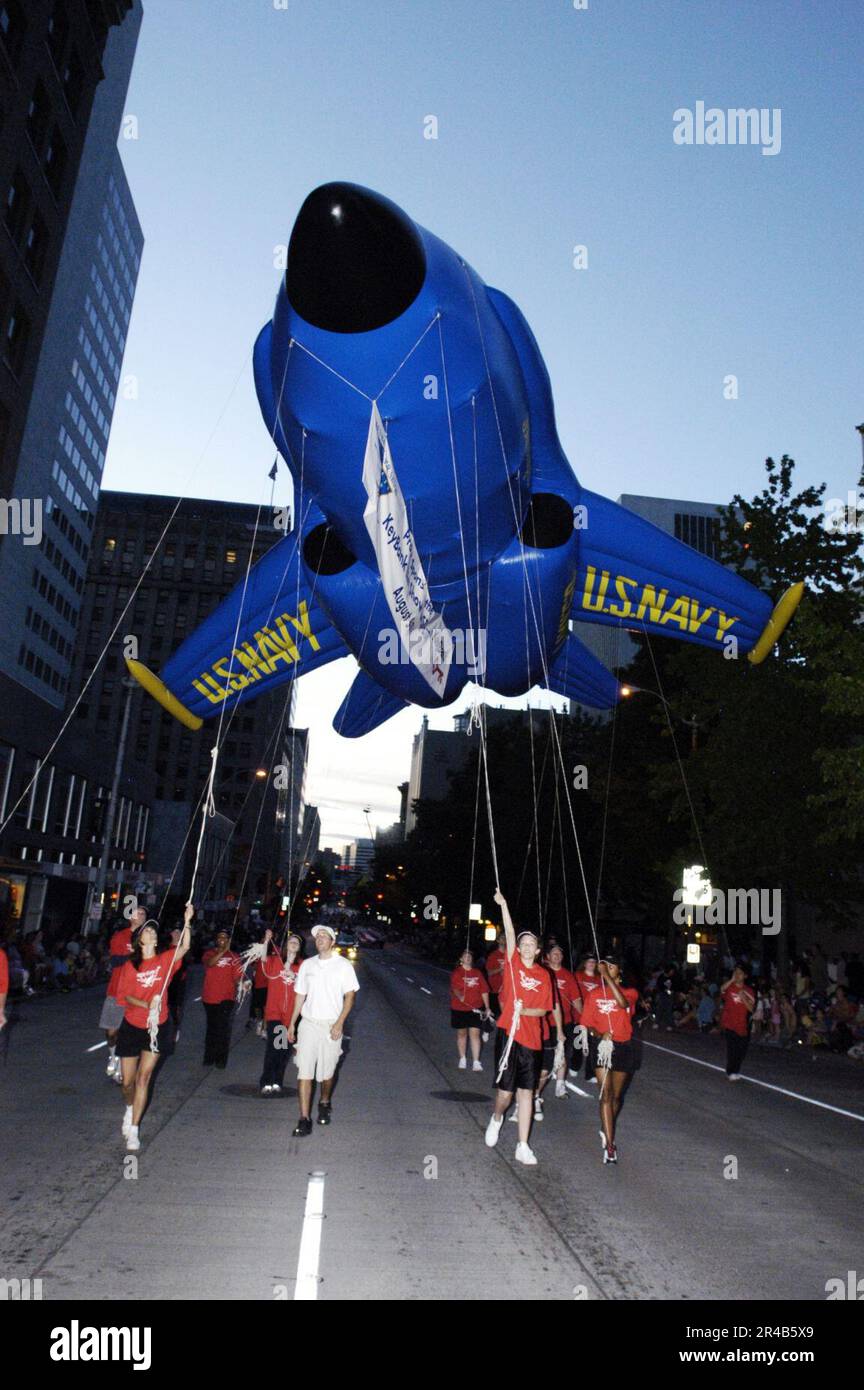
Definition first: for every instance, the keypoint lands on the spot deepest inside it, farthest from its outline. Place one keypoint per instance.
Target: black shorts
(494, 1005)
(549, 1046)
(259, 999)
(132, 1041)
(626, 1056)
(464, 1018)
(523, 1065)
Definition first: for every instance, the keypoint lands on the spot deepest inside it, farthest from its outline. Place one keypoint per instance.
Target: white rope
(408, 354)
(604, 1053)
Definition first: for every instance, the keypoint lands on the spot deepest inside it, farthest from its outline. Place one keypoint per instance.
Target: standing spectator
(738, 1004)
(706, 1011)
(223, 970)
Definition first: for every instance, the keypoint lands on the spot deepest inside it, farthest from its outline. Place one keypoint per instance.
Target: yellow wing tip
(777, 623)
(160, 692)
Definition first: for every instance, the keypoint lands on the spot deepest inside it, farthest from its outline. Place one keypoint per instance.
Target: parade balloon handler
(613, 1051)
(323, 998)
(177, 989)
(526, 997)
(258, 997)
(495, 974)
(281, 977)
(145, 1033)
(223, 970)
(587, 980)
(739, 1002)
(567, 991)
(112, 1013)
(469, 1003)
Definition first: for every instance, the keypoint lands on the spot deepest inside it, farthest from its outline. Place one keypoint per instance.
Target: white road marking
(408, 978)
(306, 1287)
(781, 1090)
(97, 1046)
(578, 1090)
(425, 990)
(197, 1000)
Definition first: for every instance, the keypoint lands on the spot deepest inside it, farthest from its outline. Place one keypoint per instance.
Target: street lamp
(693, 724)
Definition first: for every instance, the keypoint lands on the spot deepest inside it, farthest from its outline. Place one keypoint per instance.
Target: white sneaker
(260, 1030)
(133, 1143)
(265, 1090)
(127, 1122)
(463, 1062)
(493, 1129)
(275, 1089)
(514, 1115)
(571, 1072)
(592, 1080)
(113, 1066)
(525, 1155)
(477, 1066)
(538, 1108)
(561, 1090)
(602, 1137)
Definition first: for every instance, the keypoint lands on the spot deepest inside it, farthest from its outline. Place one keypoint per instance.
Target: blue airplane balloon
(440, 533)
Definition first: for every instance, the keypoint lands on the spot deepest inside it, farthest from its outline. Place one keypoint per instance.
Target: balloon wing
(268, 630)
(634, 575)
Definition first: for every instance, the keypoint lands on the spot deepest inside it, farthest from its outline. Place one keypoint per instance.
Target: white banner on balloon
(422, 632)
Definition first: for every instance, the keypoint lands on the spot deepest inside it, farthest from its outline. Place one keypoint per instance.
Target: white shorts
(317, 1055)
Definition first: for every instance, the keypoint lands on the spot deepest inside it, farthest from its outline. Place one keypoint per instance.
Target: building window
(12, 27)
(54, 163)
(35, 247)
(58, 34)
(16, 339)
(18, 201)
(7, 759)
(38, 115)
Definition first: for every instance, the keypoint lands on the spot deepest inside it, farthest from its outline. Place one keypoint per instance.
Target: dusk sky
(555, 129)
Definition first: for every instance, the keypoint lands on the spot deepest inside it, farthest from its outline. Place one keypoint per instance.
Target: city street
(415, 1207)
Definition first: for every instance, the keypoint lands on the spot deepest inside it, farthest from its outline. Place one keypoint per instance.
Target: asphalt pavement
(749, 1190)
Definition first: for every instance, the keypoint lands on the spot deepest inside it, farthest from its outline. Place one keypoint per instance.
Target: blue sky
(554, 129)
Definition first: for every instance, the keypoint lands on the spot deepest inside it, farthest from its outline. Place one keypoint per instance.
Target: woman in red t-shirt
(608, 1014)
(495, 962)
(258, 996)
(142, 989)
(469, 1002)
(278, 1007)
(526, 998)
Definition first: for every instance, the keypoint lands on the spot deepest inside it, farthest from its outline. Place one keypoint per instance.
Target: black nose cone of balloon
(355, 261)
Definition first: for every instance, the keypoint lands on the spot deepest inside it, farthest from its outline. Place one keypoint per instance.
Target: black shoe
(325, 1112)
(302, 1127)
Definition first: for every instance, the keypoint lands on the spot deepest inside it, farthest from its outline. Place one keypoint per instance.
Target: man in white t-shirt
(323, 999)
